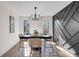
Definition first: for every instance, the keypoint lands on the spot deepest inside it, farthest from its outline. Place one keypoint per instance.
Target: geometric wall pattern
(66, 24)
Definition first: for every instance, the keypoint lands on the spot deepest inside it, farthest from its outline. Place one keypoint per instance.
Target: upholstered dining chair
(35, 44)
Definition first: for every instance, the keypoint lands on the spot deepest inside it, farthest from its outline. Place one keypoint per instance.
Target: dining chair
(35, 44)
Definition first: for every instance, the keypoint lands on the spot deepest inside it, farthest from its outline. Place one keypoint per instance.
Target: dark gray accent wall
(66, 24)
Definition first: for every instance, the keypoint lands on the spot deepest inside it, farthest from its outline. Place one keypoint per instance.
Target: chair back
(35, 42)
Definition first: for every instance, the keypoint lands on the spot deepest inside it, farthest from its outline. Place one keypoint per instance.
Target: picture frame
(26, 27)
(45, 27)
(11, 24)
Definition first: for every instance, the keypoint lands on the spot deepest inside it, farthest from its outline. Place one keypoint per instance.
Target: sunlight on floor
(27, 49)
(46, 50)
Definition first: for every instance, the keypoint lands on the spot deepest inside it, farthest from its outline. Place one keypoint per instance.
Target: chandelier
(35, 16)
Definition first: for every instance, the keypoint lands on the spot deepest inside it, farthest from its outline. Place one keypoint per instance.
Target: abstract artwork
(11, 24)
(45, 26)
(26, 27)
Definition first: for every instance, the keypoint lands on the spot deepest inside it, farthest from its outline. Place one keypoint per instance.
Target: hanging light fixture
(35, 16)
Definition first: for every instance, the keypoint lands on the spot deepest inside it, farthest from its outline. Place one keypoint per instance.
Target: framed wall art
(11, 24)
(26, 27)
(45, 27)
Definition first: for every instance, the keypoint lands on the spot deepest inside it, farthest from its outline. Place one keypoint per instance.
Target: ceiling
(45, 8)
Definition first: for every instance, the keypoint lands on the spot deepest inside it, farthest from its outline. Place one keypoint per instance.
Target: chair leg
(30, 53)
(32, 49)
(40, 52)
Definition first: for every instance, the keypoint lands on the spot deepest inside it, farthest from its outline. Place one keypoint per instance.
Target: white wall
(7, 40)
(38, 25)
(45, 8)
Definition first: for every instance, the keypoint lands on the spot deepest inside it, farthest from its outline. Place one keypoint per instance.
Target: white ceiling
(45, 8)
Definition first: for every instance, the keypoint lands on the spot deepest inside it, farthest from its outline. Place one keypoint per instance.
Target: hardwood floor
(24, 51)
(12, 51)
(47, 50)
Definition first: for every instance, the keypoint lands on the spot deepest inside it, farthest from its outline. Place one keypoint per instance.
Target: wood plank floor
(24, 51)
(12, 51)
(46, 51)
